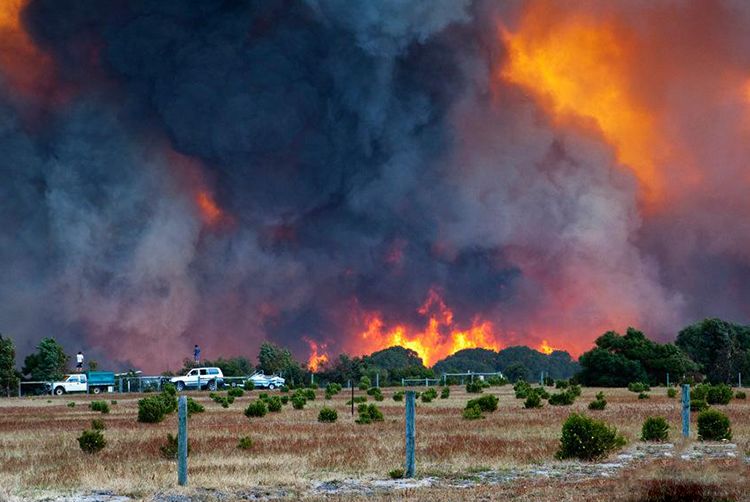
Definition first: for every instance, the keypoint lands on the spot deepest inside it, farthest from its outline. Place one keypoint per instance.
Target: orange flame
(438, 339)
(316, 359)
(209, 210)
(578, 67)
(545, 348)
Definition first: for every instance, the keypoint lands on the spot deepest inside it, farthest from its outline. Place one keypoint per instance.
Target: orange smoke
(579, 69)
(439, 338)
(317, 359)
(210, 212)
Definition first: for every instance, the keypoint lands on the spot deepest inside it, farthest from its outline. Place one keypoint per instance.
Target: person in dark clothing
(197, 354)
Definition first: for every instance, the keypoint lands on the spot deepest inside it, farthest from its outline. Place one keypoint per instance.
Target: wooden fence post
(182, 441)
(685, 410)
(410, 433)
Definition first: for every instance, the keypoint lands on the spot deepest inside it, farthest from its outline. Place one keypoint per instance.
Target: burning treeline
(482, 175)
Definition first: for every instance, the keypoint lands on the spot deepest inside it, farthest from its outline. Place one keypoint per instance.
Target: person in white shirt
(79, 361)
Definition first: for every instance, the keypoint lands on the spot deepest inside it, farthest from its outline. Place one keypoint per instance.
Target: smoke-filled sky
(343, 175)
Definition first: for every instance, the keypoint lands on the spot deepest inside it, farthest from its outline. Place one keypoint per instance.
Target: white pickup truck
(94, 381)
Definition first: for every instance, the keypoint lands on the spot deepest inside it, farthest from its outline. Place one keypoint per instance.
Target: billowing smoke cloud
(223, 172)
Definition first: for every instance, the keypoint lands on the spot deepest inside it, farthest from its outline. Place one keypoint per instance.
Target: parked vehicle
(92, 381)
(200, 378)
(266, 381)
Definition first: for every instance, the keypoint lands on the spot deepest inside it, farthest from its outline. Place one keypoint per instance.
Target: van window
(193, 372)
(203, 372)
(213, 371)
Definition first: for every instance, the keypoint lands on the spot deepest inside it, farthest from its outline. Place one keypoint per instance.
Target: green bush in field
(170, 449)
(235, 392)
(71, 404)
(274, 404)
(151, 410)
(699, 392)
(575, 390)
(284, 399)
(740, 395)
(98, 425)
(497, 381)
(643, 395)
(368, 413)
(587, 439)
(245, 443)
(397, 396)
(487, 403)
(100, 406)
(263, 396)
(719, 394)
(473, 412)
(327, 414)
(698, 405)
(713, 425)
(638, 387)
(565, 398)
(599, 403)
(376, 393)
(474, 387)
(521, 389)
(194, 406)
(429, 395)
(396, 473)
(671, 392)
(561, 384)
(533, 401)
(655, 429)
(113, 402)
(360, 399)
(364, 383)
(169, 389)
(256, 409)
(298, 402)
(308, 394)
(284, 388)
(92, 441)
(445, 392)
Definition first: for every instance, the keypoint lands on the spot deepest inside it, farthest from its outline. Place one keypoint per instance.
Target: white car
(71, 383)
(266, 381)
(200, 378)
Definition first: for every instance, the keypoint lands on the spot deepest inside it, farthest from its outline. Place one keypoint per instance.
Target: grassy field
(293, 452)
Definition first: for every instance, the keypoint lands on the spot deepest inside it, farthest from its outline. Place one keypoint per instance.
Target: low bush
(284, 399)
(699, 392)
(445, 392)
(561, 384)
(327, 415)
(362, 399)
(194, 406)
(521, 389)
(169, 389)
(263, 396)
(587, 439)
(599, 403)
(638, 387)
(98, 424)
(672, 392)
(368, 413)
(740, 395)
(719, 394)
(113, 402)
(575, 390)
(486, 403)
(713, 425)
(472, 412)
(284, 388)
(429, 395)
(533, 401)
(497, 381)
(698, 405)
(92, 441)
(101, 406)
(170, 449)
(474, 387)
(308, 394)
(274, 404)
(235, 392)
(333, 388)
(364, 383)
(151, 410)
(396, 473)
(245, 443)
(71, 404)
(562, 399)
(643, 395)
(298, 402)
(655, 429)
(256, 408)
(397, 396)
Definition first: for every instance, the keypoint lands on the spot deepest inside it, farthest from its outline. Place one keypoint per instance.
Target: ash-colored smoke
(361, 154)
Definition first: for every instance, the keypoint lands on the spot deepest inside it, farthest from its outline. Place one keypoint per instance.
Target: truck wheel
(59, 391)
(96, 390)
(212, 385)
(271, 386)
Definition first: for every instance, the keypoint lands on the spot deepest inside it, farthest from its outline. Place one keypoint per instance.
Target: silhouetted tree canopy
(721, 348)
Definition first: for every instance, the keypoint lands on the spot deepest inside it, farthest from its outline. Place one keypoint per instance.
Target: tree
(516, 372)
(8, 373)
(273, 359)
(49, 362)
(721, 348)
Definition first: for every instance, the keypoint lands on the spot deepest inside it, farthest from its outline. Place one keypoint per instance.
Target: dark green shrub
(284, 399)
(521, 389)
(298, 402)
(561, 384)
(327, 415)
(700, 392)
(396, 473)
(333, 388)
(365, 383)
(169, 450)
(235, 392)
(368, 413)
(698, 405)
(445, 392)
(599, 403)
(98, 424)
(473, 412)
(92, 441)
(113, 402)
(101, 406)
(397, 396)
(256, 408)
(361, 399)
(719, 394)
(168, 401)
(274, 404)
(474, 387)
(429, 395)
(486, 403)
(169, 389)
(643, 395)
(263, 396)
(151, 410)
(284, 388)
(655, 429)
(372, 391)
(740, 395)
(194, 406)
(497, 381)
(575, 390)
(671, 392)
(638, 387)
(533, 401)
(71, 404)
(587, 439)
(713, 425)
(562, 399)
(308, 394)
(245, 443)
(549, 381)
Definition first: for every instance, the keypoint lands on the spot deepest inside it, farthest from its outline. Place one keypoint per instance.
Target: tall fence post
(377, 379)
(739, 379)
(352, 386)
(19, 387)
(667, 379)
(410, 433)
(182, 442)
(685, 410)
(120, 385)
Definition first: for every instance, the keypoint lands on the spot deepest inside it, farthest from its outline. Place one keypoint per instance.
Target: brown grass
(39, 451)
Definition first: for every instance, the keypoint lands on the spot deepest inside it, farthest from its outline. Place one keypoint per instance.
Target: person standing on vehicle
(197, 354)
(79, 361)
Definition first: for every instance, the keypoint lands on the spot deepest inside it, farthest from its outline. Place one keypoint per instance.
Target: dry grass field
(293, 453)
